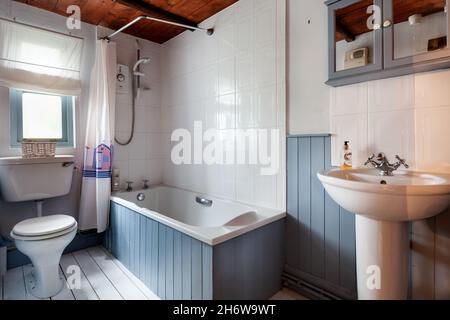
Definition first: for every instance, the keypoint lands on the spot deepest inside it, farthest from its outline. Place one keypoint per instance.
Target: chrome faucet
(130, 186)
(383, 165)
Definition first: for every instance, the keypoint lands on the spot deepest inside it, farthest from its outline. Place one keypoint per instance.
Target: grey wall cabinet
(377, 39)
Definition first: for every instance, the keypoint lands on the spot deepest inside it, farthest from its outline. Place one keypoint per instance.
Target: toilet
(44, 238)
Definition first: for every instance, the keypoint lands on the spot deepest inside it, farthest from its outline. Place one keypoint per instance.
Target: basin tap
(382, 164)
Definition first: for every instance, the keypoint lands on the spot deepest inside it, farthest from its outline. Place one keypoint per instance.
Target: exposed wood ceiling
(352, 21)
(114, 14)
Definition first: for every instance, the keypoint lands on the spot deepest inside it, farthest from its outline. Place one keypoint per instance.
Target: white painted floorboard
(100, 278)
(85, 290)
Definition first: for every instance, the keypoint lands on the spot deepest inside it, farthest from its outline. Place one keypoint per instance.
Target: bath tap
(130, 186)
(383, 165)
(145, 184)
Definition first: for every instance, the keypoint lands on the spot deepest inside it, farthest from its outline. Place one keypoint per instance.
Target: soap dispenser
(346, 162)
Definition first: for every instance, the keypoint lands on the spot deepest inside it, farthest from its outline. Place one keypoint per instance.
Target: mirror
(355, 27)
(420, 26)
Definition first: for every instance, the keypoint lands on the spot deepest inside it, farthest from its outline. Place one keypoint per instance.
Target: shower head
(136, 66)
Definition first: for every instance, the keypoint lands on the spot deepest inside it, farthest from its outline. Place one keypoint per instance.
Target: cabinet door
(416, 32)
(355, 37)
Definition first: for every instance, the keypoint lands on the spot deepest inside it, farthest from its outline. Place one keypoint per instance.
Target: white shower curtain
(96, 185)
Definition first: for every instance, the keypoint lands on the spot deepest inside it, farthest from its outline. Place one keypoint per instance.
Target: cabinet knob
(387, 23)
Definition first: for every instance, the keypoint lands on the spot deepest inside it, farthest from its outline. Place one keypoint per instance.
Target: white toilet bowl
(43, 240)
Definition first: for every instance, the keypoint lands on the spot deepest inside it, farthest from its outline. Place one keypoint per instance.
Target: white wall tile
(265, 66)
(266, 107)
(265, 24)
(265, 189)
(245, 109)
(138, 147)
(245, 34)
(227, 80)
(349, 99)
(351, 128)
(226, 40)
(432, 89)
(211, 109)
(391, 94)
(237, 89)
(227, 112)
(393, 134)
(433, 132)
(244, 71)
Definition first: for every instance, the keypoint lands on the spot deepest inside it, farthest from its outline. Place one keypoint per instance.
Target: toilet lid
(43, 225)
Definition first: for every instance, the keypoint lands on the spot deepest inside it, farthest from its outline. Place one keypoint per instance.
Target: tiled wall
(232, 80)
(142, 159)
(408, 116)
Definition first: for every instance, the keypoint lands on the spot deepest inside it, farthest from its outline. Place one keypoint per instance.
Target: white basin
(406, 196)
(383, 205)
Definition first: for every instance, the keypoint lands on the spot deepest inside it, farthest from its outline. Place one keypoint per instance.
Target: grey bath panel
(176, 266)
(320, 235)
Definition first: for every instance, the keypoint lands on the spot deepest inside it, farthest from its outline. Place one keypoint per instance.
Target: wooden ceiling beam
(156, 12)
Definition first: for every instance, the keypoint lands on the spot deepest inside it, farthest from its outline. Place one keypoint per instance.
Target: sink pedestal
(382, 259)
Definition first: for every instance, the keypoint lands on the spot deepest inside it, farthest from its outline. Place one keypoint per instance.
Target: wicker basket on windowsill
(38, 148)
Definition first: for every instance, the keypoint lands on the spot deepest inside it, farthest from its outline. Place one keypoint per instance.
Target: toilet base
(45, 256)
(43, 291)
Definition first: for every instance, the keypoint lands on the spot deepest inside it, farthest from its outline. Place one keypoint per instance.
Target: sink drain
(383, 182)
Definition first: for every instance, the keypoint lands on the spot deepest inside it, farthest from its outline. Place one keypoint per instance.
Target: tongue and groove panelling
(320, 235)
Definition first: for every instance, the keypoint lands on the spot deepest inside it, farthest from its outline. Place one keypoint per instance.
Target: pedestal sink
(383, 206)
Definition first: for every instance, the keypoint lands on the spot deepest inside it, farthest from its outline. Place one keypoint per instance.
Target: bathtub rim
(212, 236)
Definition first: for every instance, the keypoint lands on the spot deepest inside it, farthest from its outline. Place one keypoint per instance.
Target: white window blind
(41, 60)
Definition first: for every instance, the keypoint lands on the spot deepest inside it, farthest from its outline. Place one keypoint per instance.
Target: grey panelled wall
(176, 266)
(320, 234)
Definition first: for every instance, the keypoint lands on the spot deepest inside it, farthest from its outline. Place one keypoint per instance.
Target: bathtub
(214, 224)
(185, 245)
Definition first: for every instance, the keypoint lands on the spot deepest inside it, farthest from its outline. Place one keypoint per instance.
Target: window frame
(16, 112)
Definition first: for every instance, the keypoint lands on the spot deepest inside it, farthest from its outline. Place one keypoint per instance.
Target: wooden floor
(102, 278)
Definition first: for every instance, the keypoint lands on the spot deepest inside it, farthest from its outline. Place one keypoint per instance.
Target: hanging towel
(96, 184)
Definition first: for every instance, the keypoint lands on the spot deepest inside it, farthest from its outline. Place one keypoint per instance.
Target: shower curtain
(96, 184)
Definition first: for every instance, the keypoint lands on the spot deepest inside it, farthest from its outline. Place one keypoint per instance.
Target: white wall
(307, 67)
(232, 80)
(407, 115)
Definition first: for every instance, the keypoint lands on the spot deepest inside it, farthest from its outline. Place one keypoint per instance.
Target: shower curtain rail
(192, 28)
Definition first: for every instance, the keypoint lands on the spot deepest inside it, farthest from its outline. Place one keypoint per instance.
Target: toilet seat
(44, 228)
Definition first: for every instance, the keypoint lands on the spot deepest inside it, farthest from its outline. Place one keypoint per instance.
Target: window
(41, 116)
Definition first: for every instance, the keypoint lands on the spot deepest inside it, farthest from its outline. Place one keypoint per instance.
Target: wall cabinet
(376, 39)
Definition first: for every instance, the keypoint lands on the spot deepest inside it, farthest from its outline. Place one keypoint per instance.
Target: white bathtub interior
(179, 209)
